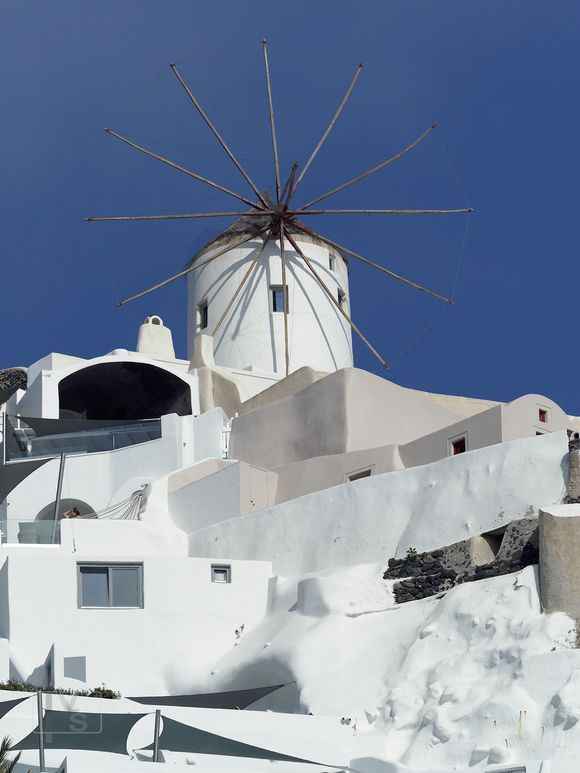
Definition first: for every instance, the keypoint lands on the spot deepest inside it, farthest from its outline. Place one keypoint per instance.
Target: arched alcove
(47, 512)
(123, 391)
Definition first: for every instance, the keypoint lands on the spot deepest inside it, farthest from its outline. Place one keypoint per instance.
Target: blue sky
(501, 78)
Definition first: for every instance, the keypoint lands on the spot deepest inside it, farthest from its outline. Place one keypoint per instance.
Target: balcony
(30, 438)
(22, 531)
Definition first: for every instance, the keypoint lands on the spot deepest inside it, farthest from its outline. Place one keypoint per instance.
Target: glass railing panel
(22, 442)
(23, 531)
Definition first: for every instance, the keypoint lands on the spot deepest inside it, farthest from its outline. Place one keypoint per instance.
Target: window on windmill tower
(332, 262)
(543, 415)
(277, 296)
(342, 299)
(202, 315)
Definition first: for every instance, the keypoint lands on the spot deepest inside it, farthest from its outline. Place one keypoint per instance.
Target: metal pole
(40, 732)
(58, 494)
(4, 437)
(156, 738)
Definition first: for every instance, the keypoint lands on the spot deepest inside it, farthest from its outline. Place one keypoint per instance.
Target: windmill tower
(251, 335)
(272, 291)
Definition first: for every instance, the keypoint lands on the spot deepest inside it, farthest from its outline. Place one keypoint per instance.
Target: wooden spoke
(381, 212)
(287, 192)
(194, 267)
(335, 301)
(253, 265)
(374, 265)
(285, 298)
(260, 213)
(179, 168)
(217, 135)
(272, 122)
(328, 130)
(370, 171)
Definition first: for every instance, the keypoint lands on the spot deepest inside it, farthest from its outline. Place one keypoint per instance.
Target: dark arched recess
(123, 390)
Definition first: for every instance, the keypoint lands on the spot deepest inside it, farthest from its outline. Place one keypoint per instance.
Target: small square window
(277, 295)
(202, 318)
(342, 299)
(458, 446)
(221, 573)
(543, 415)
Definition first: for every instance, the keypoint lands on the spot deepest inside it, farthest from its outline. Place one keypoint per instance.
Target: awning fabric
(81, 730)
(177, 737)
(6, 706)
(234, 699)
(13, 474)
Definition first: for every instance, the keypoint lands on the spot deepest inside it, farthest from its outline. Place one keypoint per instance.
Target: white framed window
(277, 297)
(543, 415)
(332, 262)
(221, 573)
(202, 318)
(104, 586)
(342, 299)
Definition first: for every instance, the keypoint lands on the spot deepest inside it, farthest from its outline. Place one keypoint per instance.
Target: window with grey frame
(221, 573)
(277, 296)
(110, 586)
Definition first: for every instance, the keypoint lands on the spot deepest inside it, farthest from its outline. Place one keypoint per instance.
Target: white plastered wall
(185, 624)
(381, 516)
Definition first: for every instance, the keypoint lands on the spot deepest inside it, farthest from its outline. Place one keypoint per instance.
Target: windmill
(280, 218)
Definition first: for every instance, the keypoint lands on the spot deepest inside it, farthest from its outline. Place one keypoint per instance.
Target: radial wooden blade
(246, 276)
(272, 122)
(195, 266)
(376, 168)
(328, 130)
(179, 168)
(387, 271)
(217, 135)
(193, 216)
(335, 301)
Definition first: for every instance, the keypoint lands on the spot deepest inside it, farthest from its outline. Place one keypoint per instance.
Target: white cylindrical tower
(251, 336)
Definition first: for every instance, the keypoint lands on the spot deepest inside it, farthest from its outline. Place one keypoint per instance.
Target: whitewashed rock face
(478, 676)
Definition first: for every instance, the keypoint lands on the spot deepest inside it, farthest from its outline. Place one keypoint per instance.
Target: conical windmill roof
(250, 226)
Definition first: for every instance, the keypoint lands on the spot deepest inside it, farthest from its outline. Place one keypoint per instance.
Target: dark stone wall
(428, 574)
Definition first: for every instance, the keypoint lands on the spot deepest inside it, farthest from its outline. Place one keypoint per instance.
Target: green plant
(95, 692)
(411, 556)
(6, 765)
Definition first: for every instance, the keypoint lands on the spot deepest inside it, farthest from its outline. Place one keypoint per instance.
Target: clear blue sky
(500, 77)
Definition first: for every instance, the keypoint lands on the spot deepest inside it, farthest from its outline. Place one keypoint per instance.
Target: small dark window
(458, 446)
(202, 315)
(221, 573)
(360, 474)
(543, 415)
(277, 293)
(539, 433)
(342, 299)
(332, 262)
